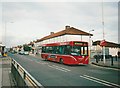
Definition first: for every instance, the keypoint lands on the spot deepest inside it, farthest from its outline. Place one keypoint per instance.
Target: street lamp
(90, 43)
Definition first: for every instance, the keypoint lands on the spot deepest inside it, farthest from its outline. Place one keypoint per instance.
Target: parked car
(13, 52)
(21, 52)
(24, 52)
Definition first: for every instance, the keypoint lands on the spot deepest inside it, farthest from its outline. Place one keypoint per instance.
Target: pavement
(108, 63)
(6, 79)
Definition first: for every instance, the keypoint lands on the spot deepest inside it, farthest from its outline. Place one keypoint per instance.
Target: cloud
(33, 20)
(0, 22)
(58, 0)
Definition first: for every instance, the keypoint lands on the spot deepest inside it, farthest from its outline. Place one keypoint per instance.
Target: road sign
(103, 43)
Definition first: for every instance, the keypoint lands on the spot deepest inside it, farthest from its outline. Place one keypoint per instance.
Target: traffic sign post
(103, 44)
(104, 54)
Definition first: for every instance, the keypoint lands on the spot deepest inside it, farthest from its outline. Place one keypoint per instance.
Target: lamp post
(90, 43)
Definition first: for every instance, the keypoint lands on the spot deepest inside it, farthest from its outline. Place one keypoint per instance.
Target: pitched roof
(108, 44)
(1, 45)
(31, 43)
(69, 30)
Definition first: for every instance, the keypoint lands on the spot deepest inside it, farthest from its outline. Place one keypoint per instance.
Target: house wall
(113, 51)
(94, 49)
(97, 50)
(63, 39)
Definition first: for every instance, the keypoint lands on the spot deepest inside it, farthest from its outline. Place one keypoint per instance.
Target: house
(32, 45)
(68, 34)
(110, 48)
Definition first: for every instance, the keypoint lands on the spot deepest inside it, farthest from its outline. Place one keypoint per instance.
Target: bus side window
(85, 50)
(47, 49)
(67, 49)
(64, 50)
(82, 53)
(51, 49)
(61, 49)
(57, 50)
(43, 49)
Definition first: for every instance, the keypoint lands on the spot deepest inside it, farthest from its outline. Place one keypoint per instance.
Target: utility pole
(103, 48)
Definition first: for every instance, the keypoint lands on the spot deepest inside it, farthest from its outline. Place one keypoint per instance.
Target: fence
(22, 77)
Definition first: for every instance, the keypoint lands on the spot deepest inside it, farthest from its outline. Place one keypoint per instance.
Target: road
(55, 74)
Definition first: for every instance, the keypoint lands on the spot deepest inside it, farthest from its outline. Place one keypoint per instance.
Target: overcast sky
(28, 21)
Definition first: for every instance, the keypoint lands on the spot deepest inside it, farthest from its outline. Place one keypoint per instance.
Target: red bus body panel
(67, 59)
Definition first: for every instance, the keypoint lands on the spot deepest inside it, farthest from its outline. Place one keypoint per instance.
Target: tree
(27, 48)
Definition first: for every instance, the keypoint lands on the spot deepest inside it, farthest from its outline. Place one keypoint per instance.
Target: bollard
(96, 60)
(112, 61)
(116, 57)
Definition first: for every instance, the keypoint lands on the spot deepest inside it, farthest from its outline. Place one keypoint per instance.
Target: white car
(24, 52)
(21, 52)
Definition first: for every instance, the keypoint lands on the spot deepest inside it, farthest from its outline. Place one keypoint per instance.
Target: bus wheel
(61, 61)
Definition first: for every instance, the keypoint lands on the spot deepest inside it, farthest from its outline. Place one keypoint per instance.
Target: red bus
(71, 53)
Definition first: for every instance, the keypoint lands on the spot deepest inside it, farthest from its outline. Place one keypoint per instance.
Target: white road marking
(29, 59)
(41, 62)
(58, 68)
(100, 81)
(61, 68)
(95, 81)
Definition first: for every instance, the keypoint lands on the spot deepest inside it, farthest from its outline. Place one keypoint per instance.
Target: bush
(27, 48)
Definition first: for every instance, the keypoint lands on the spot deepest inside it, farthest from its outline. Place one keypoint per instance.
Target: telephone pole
(103, 48)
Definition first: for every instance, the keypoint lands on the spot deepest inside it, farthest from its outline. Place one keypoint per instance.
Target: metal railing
(28, 79)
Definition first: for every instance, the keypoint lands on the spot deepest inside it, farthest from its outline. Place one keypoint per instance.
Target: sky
(25, 21)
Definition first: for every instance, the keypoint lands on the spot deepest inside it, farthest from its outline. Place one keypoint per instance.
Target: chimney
(67, 27)
(51, 33)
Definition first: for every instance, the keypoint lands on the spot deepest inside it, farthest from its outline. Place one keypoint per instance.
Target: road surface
(55, 74)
